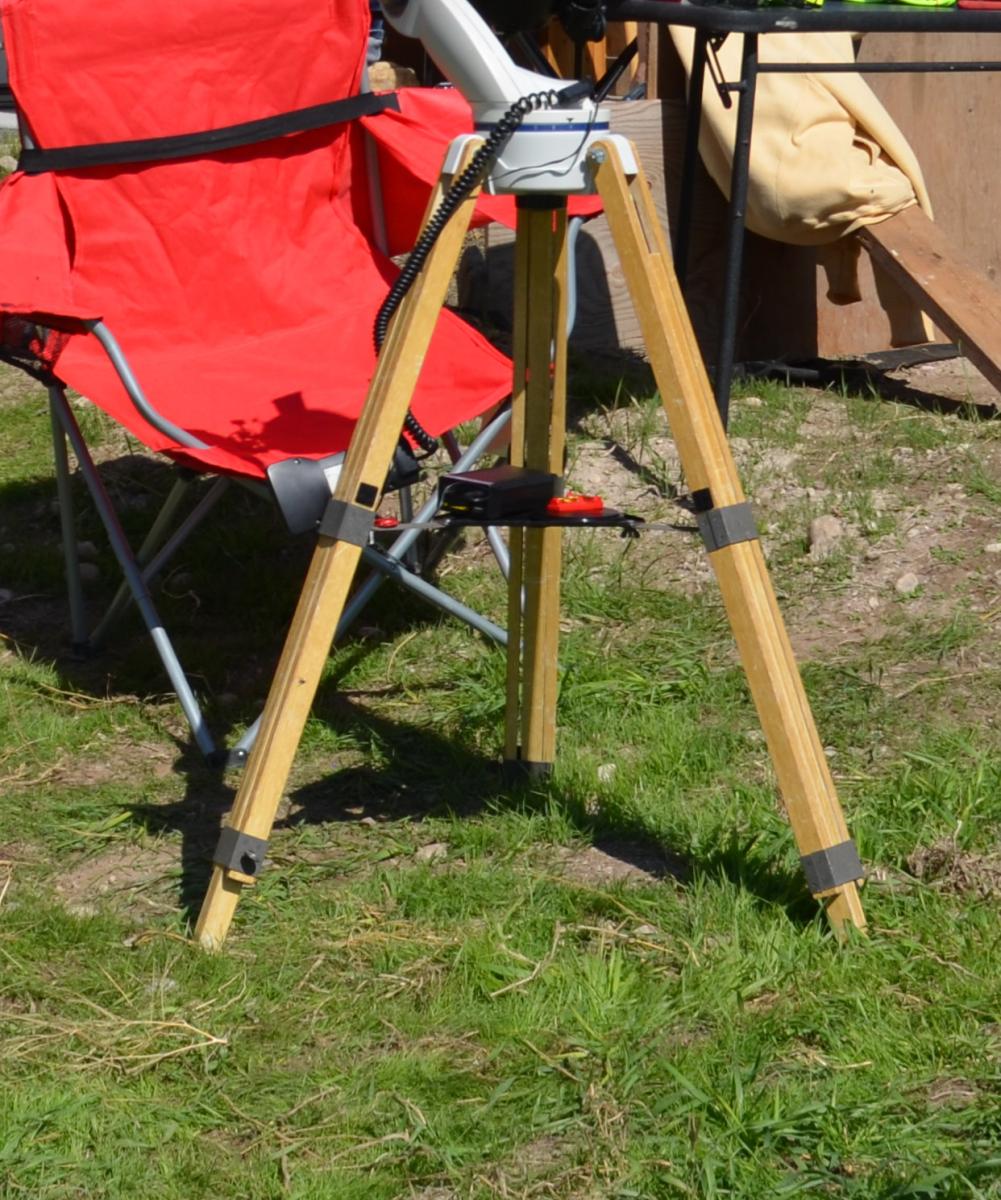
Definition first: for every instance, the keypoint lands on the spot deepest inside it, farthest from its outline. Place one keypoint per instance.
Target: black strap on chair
(36, 160)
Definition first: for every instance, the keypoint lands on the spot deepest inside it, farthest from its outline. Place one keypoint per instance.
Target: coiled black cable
(479, 166)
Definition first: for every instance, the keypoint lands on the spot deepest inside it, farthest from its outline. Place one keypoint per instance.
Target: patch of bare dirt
(13, 855)
(953, 379)
(939, 531)
(620, 861)
(131, 880)
(955, 870)
(147, 759)
(952, 1093)
(150, 761)
(547, 1166)
(637, 484)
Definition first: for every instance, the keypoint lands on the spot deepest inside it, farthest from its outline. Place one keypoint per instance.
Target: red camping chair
(182, 245)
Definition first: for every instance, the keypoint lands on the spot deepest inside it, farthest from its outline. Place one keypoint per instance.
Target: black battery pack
(497, 492)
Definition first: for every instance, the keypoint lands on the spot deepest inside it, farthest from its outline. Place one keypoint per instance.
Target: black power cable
(479, 166)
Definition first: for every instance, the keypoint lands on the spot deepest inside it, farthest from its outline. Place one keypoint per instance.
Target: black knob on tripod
(516, 16)
(584, 20)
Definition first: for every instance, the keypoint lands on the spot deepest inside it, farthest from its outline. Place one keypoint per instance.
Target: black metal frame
(713, 23)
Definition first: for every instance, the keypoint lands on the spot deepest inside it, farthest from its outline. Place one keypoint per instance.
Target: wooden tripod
(828, 855)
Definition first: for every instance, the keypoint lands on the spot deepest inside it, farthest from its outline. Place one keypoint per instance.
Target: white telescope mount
(547, 151)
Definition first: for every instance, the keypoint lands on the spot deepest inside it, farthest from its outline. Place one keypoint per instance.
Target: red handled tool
(575, 504)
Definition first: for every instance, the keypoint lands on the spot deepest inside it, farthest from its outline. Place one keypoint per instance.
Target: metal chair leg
(67, 519)
(160, 546)
(133, 574)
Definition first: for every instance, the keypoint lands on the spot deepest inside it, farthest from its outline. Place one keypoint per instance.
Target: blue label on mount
(599, 128)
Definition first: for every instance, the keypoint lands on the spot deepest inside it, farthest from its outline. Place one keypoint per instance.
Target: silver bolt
(597, 156)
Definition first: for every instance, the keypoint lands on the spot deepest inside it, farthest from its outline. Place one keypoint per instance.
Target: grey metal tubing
(154, 537)
(500, 549)
(385, 566)
(407, 515)
(240, 750)
(736, 217)
(406, 539)
(394, 569)
(495, 538)
(574, 226)
(152, 557)
(133, 575)
(379, 235)
(136, 394)
(215, 493)
(64, 490)
(387, 563)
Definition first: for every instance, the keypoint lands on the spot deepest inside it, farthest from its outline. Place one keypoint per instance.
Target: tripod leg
(538, 440)
(829, 858)
(243, 843)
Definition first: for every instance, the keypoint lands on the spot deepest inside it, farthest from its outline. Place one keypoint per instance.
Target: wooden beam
(933, 268)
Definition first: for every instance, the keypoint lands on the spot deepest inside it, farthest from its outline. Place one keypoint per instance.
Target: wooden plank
(933, 268)
(952, 124)
(649, 57)
(951, 121)
(562, 53)
(545, 444)
(516, 538)
(540, 399)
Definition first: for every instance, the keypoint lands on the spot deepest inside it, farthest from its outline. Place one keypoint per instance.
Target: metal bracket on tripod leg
(724, 526)
(239, 852)
(347, 522)
(832, 867)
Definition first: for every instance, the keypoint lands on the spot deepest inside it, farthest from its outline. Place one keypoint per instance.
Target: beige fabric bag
(826, 156)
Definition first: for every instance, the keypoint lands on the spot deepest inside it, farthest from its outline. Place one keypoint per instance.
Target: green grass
(497, 1018)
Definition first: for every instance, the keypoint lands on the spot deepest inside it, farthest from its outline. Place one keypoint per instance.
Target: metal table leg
(693, 122)
(735, 233)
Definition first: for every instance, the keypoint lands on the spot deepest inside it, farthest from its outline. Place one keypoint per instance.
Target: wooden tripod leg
(359, 488)
(827, 852)
(538, 441)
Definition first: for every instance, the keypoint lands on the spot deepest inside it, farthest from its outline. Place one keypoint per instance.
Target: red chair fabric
(239, 285)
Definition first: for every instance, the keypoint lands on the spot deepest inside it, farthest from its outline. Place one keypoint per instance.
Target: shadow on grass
(870, 377)
(430, 775)
(426, 773)
(761, 873)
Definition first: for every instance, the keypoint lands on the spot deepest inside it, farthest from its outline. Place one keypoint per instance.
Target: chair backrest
(204, 237)
(126, 69)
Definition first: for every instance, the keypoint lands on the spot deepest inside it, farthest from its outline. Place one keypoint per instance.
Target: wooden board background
(954, 124)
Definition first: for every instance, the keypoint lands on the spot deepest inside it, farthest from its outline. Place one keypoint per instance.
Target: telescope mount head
(547, 150)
